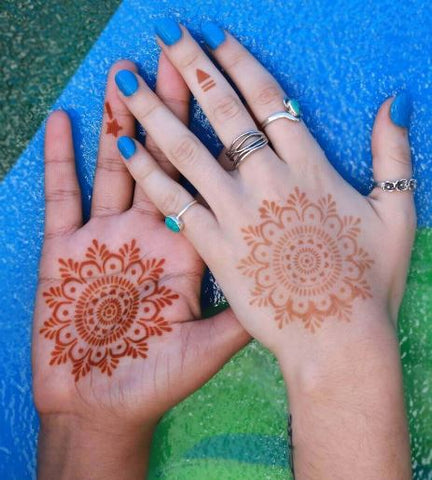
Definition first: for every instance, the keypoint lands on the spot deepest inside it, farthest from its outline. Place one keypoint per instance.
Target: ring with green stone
(174, 222)
(292, 112)
(293, 107)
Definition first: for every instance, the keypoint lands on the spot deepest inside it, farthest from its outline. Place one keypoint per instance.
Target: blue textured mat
(340, 58)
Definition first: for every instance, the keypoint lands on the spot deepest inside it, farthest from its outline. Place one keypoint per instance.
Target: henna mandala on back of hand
(305, 261)
(106, 308)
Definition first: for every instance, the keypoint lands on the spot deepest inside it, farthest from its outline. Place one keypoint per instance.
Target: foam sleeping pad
(341, 59)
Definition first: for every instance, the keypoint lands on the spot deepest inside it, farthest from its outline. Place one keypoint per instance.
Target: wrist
(346, 396)
(71, 447)
(338, 348)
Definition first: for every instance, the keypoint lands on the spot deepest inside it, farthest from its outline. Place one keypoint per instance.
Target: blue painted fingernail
(127, 147)
(127, 82)
(168, 30)
(213, 34)
(401, 109)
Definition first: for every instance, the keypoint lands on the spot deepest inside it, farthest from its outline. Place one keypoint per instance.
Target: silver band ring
(244, 145)
(401, 185)
(292, 112)
(174, 222)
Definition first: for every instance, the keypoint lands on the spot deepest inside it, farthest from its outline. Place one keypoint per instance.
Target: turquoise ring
(174, 222)
(292, 112)
(292, 107)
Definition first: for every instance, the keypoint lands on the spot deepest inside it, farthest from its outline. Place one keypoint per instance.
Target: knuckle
(171, 201)
(227, 108)
(190, 58)
(149, 109)
(399, 153)
(104, 211)
(268, 94)
(174, 103)
(142, 174)
(59, 160)
(62, 231)
(185, 151)
(236, 59)
(117, 113)
(61, 194)
(144, 207)
(111, 164)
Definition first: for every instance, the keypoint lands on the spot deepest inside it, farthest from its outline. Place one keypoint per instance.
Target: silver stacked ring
(244, 145)
(401, 185)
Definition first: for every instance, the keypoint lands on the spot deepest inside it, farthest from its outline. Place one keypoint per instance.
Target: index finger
(182, 148)
(63, 213)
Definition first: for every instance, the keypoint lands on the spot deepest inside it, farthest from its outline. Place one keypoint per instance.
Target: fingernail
(168, 30)
(213, 34)
(127, 82)
(126, 146)
(401, 109)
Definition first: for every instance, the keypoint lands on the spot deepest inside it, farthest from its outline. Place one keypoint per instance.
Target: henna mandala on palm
(305, 261)
(106, 308)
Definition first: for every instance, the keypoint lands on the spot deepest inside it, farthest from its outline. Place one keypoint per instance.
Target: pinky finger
(63, 213)
(168, 196)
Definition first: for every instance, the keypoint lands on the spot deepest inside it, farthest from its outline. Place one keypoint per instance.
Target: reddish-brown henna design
(113, 126)
(305, 261)
(204, 80)
(106, 308)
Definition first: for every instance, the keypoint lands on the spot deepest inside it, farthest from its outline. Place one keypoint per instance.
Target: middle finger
(220, 103)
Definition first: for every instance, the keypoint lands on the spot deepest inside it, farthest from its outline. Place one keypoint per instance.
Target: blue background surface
(341, 59)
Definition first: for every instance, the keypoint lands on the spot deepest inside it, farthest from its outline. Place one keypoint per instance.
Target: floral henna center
(305, 261)
(106, 308)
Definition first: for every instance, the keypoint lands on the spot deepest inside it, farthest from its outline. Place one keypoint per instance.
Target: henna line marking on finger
(113, 126)
(106, 308)
(305, 261)
(204, 79)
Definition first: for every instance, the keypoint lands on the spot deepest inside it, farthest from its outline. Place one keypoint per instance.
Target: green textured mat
(41, 45)
(415, 333)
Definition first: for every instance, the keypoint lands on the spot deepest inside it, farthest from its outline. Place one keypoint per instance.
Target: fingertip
(123, 64)
(58, 118)
(213, 34)
(401, 109)
(60, 113)
(126, 146)
(126, 81)
(58, 132)
(390, 143)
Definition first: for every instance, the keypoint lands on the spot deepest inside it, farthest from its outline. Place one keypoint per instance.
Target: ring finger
(113, 185)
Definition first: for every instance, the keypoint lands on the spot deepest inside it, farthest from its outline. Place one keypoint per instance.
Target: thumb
(391, 151)
(211, 342)
(392, 161)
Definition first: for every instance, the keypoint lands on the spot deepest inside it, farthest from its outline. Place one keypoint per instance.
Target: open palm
(116, 327)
